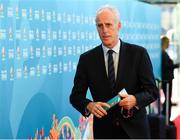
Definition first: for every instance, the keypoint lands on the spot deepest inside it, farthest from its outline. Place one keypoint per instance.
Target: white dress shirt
(116, 50)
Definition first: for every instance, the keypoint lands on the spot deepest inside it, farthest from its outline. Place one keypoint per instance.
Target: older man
(107, 69)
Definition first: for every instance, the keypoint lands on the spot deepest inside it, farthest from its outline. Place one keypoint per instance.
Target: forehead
(105, 16)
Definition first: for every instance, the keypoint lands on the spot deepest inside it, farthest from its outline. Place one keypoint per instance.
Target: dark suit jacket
(167, 67)
(135, 74)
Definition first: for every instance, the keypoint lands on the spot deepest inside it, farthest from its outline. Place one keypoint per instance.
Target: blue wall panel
(40, 44)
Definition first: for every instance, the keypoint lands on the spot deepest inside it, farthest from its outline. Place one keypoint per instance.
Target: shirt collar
(116, 48)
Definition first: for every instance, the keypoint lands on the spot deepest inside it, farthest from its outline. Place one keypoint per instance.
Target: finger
(127, 107)
(126, 103)
(102, 110)
(99, 112)
(105, 105)
(97, 115)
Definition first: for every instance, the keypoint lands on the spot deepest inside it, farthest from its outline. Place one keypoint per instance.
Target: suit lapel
(121, 65)
(101, 71)
(101, 63)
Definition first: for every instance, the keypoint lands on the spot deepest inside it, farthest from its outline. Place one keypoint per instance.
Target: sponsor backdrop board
(40, 44)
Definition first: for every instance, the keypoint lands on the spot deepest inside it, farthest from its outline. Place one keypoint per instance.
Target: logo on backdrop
(65, 129)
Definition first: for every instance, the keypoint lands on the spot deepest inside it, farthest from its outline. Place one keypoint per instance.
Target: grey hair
(112, 9)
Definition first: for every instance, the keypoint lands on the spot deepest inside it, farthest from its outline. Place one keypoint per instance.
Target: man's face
(108, 28)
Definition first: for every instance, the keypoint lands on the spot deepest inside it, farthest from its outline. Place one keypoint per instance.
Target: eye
(108, 25)
(99, 25)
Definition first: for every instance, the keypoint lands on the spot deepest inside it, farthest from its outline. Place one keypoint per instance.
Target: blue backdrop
(40, 44)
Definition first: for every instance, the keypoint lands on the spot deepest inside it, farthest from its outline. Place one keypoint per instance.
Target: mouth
(105, 37)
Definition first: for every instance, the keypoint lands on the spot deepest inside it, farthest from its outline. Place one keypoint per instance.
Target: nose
(104, 29)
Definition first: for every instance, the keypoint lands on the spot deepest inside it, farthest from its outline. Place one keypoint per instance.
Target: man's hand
(96, 108)
(128, 102)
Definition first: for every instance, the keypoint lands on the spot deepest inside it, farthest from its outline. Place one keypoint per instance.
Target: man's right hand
(96, 108)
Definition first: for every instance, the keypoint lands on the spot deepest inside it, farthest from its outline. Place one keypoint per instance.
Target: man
(105, 73)
(167, 74)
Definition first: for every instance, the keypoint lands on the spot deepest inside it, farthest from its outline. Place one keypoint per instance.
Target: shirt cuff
(87, 113)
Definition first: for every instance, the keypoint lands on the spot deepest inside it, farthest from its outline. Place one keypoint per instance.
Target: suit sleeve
(149, 91)
(167, 62)
(78, 95)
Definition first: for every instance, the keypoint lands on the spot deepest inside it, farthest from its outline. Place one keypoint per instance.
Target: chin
(107, 44)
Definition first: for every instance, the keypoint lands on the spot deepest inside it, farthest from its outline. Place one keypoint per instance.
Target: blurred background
(170, 27)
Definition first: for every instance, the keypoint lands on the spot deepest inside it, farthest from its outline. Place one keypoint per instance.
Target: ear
(119, 25)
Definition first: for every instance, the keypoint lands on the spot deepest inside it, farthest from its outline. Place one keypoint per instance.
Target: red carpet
(177, 124)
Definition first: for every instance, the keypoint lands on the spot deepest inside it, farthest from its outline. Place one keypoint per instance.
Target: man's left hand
(128, 102)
